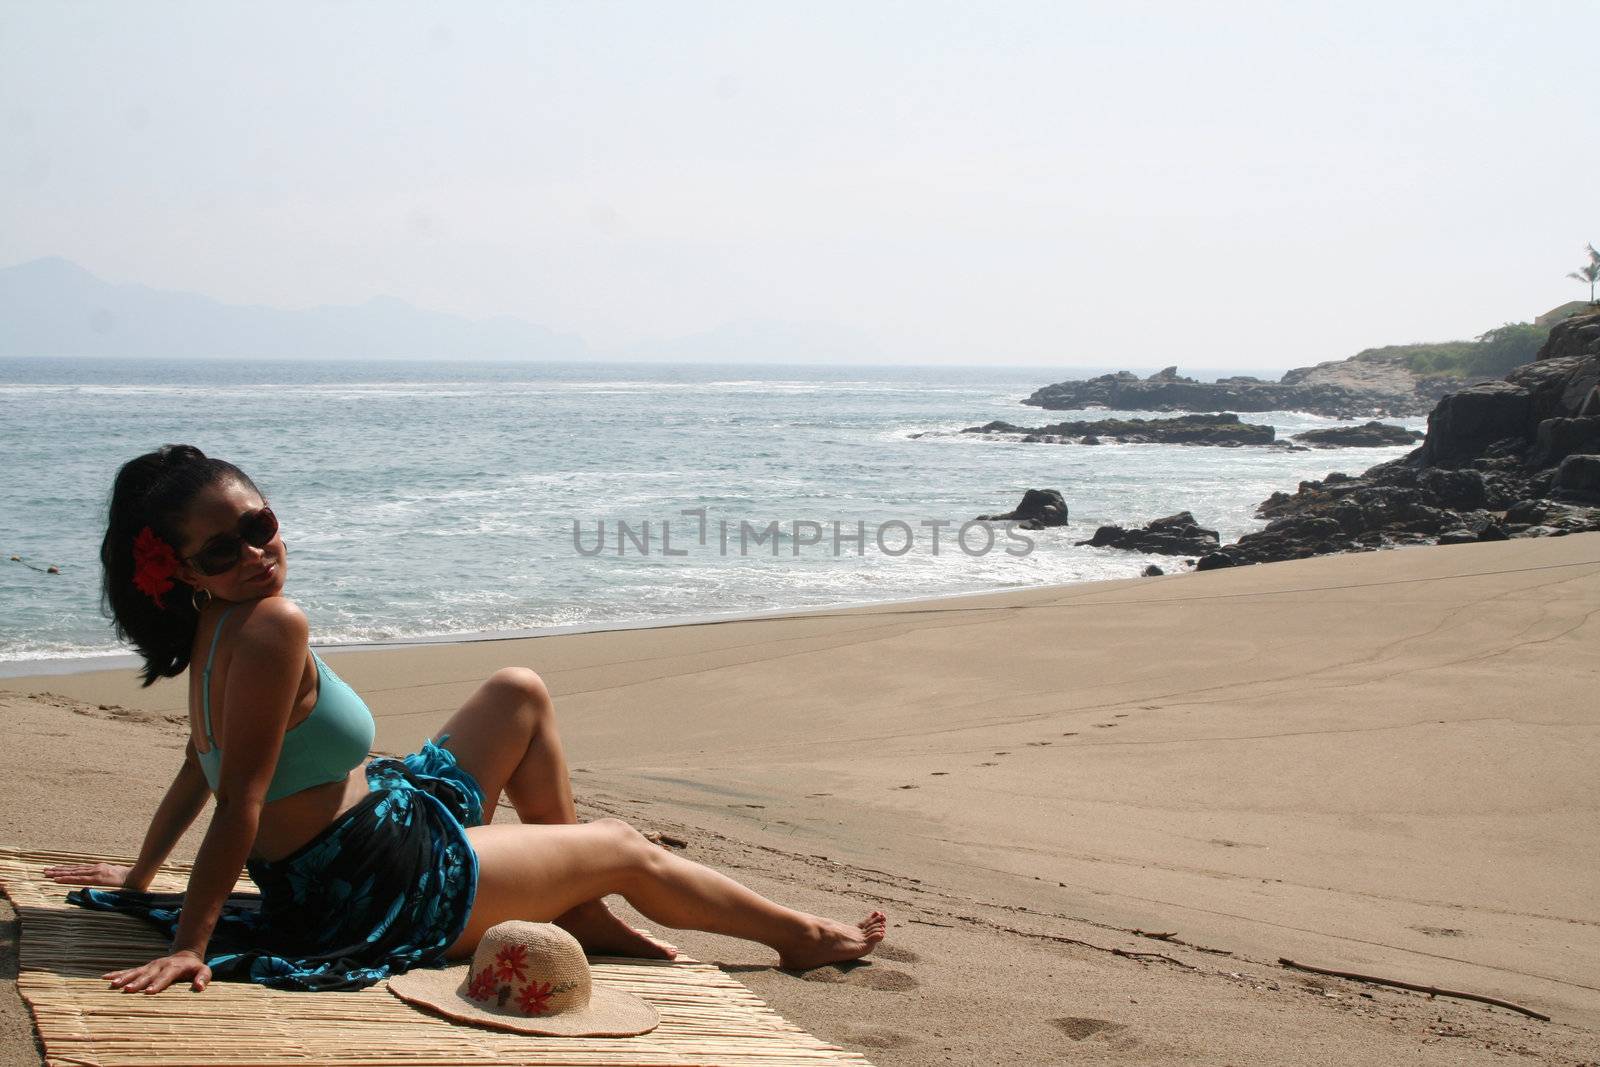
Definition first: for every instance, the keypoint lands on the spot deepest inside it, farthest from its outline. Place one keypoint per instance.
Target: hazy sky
(1223, 185)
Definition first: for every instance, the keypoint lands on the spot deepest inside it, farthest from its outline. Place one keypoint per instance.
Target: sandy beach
(1381, 763)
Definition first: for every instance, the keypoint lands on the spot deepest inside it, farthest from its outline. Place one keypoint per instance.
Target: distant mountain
(53, 307)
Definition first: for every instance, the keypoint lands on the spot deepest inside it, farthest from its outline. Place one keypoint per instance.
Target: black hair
(155, 490)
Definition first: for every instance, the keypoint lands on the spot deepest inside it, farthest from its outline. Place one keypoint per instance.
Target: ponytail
(153, 492)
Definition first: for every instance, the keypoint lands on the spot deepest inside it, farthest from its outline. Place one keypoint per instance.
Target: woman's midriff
(290, 822)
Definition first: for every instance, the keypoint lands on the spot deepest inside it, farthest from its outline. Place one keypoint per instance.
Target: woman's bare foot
(603, 934)
(835, 942)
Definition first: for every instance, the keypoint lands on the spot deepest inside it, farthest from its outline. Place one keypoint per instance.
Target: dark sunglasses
(223, 552)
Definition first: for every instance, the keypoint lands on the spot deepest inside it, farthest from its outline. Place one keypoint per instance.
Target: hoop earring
(199, 604)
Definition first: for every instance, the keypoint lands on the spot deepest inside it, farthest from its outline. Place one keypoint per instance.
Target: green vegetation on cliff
(1492, 355)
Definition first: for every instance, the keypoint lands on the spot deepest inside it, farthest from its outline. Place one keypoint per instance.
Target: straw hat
(532, 978)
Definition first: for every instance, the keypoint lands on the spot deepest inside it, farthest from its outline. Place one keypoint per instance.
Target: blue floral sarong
(388, 886)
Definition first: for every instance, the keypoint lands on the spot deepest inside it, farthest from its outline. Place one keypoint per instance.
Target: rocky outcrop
(1368, 435)
(1466, 424)
(1514, 458)
(1175, 535)
(1376, 373)
(1039, 508)
(1224, 430)
(1578, 479)
(1368, 386)
(1557, 438)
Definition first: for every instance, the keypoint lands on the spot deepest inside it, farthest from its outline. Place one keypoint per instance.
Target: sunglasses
(223, 552)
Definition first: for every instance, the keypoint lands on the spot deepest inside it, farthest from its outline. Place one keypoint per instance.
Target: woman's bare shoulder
(273, 623)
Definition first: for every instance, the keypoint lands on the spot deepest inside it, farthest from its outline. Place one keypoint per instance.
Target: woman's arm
(175, 814)
(263, 677)
(178, 809)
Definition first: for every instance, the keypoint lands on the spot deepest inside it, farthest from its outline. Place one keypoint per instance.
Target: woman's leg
(505, 737)
(540, 872)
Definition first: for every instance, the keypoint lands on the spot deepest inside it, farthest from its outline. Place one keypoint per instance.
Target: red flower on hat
(535, 998)
(154, 564)
(482, 987)
(510, 960)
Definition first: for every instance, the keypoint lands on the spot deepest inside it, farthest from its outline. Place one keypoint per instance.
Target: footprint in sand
(1002, 753)
(898, 953)
(905, 787)
(810, 795)
(1070, 733)
(1040, 744)
(1440, 931)
(1083, 1029)
(866, 976)
(938, 774)
(113, 712)
(1122, 715)
(990, 764)
(879, 1038)
(1103, 725)
(747, 805)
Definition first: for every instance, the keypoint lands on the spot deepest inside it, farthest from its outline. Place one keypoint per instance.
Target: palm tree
(1591, 273)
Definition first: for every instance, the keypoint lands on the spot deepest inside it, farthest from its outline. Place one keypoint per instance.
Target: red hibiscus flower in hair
(482, 987)
(154, 564)
(535, 998)
(510, 960)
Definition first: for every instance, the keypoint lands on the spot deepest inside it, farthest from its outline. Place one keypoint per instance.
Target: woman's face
(215, 514)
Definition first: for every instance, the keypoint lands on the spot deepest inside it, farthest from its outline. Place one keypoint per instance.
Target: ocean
(424, 501)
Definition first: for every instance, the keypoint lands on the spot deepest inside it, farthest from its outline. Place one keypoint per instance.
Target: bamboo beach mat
(707, 1018)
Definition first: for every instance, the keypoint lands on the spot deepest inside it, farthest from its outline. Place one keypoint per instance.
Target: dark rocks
(1510, 459)
(1152, 571)
(1369, 435)
(1527, 512)
(1559, 387)
(1465, 424)
(1465, 488)
(1557, 438)
(1549, 516)
(1174, 535)
(1039, 508)
(1578, 478)
(1309, 534)
(1223, 429)
(1575, 336)
(1128, 392)
(1214, 561)
(1372, 386)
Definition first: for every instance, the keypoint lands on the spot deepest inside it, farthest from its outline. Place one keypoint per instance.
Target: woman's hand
(156, 975)
(109, 874)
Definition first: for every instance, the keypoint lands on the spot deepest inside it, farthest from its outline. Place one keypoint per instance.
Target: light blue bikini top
(323, 748)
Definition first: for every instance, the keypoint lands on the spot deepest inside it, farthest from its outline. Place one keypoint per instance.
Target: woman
(366, 868)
